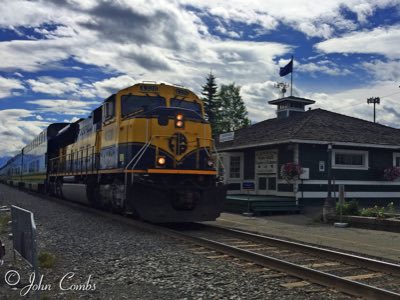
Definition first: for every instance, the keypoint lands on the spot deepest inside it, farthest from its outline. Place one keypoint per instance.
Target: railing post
(198, 154)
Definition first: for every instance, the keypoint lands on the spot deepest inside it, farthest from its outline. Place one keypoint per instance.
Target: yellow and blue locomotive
(147, 151)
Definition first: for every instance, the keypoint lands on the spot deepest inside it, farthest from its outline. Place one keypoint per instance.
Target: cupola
(289, 106)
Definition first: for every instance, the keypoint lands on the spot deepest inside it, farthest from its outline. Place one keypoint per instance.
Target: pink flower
(392, 173)
(291, 171)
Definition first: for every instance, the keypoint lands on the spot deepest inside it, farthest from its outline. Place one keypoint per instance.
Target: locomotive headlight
(179, 124)
(161, 160)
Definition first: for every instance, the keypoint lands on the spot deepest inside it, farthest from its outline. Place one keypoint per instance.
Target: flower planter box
(387, 224)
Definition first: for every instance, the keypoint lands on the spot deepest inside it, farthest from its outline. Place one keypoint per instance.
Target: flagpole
(291, 80)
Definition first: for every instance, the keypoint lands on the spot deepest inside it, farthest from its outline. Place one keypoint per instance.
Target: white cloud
(256, 97)
(381, 40)
(322, 66)
(76, 87)
(313, 18)
(17, 129)
(230, 33)
(111, 85)
(54, 86)
(72, 120)
(64, 107)
(33, 55)
(384, 70)
(8, 86)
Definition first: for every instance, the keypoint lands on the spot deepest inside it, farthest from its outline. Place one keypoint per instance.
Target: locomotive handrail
(147, 145)
(138, 153)
(221, 163)
(74, 164)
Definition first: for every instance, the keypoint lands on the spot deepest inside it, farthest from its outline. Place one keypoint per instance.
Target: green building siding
(310, 156)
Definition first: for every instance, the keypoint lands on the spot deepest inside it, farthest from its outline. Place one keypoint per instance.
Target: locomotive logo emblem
(177, 143)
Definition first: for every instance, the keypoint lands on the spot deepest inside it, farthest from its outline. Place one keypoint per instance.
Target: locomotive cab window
(186, 104)
(109, 108)
(131, 104)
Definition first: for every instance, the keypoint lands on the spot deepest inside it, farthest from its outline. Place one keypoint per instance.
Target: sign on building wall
(226, 137)
(248, 186)
(305, 174)
(266, 161)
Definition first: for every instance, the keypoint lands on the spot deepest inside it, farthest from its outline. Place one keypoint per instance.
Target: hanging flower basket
(291, 171)
(391, 174)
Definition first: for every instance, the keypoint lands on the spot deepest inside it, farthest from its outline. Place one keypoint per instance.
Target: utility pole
(374, 100)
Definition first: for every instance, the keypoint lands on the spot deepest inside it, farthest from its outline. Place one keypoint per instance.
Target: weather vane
(282, 87)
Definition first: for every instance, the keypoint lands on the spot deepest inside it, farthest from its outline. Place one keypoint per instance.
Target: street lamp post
(329, 205)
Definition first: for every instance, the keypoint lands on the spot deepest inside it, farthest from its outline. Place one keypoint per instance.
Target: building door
(266, 185)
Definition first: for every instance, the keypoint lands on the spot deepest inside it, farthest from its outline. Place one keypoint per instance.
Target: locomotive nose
(177, 143)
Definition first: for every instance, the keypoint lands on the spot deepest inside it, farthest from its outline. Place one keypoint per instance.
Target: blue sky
(59, 59)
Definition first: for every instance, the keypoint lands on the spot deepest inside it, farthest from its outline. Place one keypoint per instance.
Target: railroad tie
(363, 276)
(295, 284)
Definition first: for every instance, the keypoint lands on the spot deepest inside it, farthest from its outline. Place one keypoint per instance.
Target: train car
(146, 151)
(4, 172)
(35, 157)
(11, 171)
(29, 168)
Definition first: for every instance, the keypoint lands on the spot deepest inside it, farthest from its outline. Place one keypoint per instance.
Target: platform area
(307, 228)
(260, 204)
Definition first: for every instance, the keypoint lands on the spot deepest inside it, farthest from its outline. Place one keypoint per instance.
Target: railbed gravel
(128, 263)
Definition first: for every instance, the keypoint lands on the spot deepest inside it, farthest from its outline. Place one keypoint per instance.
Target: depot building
(358, 153)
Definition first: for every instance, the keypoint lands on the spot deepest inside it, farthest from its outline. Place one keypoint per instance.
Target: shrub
(390, 208)
(348, 208)
(376, 211)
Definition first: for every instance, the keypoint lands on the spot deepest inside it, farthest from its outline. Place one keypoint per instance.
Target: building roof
(316, 125)
(292, 99)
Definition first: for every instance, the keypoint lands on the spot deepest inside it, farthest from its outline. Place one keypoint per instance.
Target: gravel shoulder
(124, 263)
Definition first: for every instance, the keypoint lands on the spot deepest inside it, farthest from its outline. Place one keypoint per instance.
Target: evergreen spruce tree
(212, 104)
(234, 112)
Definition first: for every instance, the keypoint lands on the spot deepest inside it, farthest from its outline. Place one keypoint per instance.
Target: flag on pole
(286, 69)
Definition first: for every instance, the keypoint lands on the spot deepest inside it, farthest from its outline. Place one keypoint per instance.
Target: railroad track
(351, 274)
(354, 275)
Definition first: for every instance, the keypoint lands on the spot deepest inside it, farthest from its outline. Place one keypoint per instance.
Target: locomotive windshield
(131, 103)
(186, 104)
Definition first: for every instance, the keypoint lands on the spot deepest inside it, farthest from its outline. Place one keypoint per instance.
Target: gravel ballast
(127, 263)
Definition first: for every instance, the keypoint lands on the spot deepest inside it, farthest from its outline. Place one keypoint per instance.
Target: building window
(349, 159)
(234, 167)
(396, 159)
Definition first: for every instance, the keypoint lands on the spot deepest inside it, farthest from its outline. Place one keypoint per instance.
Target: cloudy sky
(60, 58)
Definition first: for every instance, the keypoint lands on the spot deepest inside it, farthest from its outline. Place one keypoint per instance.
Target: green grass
(4, 219)
(46, 260)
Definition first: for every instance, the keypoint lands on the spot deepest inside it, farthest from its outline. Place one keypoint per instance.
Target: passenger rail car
(146, 151)
(29, 167)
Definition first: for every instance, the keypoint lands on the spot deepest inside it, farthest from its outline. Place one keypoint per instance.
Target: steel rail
(368, 263)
